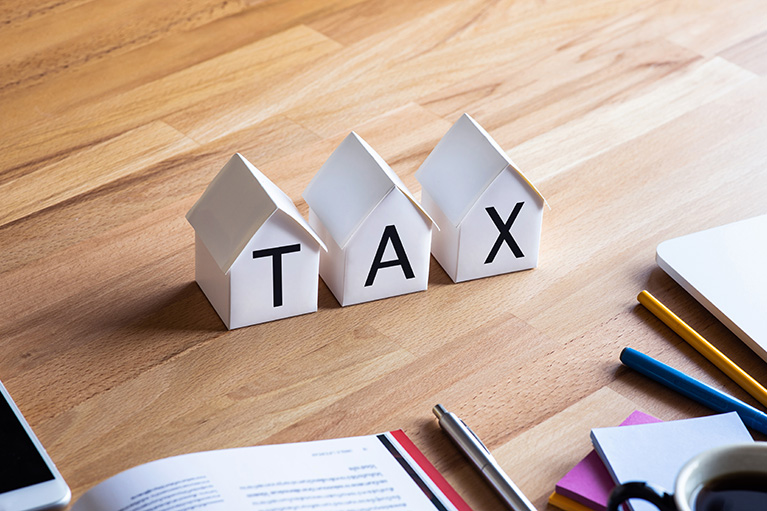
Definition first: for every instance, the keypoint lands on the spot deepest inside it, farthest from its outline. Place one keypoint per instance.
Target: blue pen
(694, 389)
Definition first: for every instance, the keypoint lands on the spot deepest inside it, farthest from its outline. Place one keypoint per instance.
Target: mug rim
(683, 493)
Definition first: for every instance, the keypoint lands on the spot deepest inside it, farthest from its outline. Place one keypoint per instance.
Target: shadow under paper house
(186, 308)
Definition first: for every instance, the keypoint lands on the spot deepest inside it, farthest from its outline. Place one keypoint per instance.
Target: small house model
(377, 235)
(489, 214)
(256, 258)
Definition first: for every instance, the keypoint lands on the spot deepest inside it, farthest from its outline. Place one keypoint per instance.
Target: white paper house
(378, 236)
(256, 258)
(489, 214)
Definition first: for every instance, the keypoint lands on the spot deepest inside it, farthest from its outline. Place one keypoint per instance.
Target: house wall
(213, 282)
(414, 232)
(333, 261)
(444, 241)
(252, 278)
(478, 233)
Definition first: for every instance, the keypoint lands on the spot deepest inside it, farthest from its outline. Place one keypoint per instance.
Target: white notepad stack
(655, 453)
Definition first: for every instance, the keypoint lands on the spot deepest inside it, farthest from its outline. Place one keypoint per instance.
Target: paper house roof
(349, 186)
(464, 163)
(238, 201)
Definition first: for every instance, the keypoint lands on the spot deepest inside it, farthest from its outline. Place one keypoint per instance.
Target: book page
(345, 474)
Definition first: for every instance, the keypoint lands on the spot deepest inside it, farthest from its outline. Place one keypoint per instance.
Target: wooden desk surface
(638, 121)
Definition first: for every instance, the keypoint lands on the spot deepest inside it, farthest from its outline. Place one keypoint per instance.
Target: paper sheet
(347, 474)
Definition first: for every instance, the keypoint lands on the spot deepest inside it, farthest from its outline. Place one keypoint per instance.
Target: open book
(376, 472)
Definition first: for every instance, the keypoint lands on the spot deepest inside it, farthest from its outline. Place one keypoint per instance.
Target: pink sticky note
(588, 482)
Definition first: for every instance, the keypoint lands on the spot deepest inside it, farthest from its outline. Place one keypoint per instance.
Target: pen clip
(487, 451)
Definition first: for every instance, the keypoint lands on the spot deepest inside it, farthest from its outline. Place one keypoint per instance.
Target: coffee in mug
(739, 490)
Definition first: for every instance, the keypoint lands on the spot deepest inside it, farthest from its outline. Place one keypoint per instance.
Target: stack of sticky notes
(588, 484)
(642, 449)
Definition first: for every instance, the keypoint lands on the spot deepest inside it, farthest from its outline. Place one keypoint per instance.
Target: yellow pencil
(704, 347)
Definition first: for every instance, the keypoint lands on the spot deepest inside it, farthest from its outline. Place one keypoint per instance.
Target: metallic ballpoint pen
(479, 455)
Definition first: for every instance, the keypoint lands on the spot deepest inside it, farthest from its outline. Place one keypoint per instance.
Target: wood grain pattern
(638, 121)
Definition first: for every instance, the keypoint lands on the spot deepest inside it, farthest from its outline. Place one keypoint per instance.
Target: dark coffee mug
(723, 474)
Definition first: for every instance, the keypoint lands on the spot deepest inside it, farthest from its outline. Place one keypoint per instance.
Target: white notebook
(725, 269)
(385, 471)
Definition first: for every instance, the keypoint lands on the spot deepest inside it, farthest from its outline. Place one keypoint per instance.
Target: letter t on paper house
(489, 214)
(378, 236)
(256, 258)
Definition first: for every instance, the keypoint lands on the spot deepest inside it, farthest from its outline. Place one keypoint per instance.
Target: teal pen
(694, 389)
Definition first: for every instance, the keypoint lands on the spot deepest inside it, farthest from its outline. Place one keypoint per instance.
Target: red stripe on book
(432, 472)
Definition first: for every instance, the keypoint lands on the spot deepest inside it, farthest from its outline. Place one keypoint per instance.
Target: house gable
(389, 255)
(234, 206)
(349, 186)
(275, 276)
(461, 167)
(501, 232)
(230, 211)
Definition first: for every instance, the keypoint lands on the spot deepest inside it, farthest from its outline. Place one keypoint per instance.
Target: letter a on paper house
(377, 234)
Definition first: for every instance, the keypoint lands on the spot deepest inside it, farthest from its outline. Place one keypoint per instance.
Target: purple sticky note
(588, 482)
